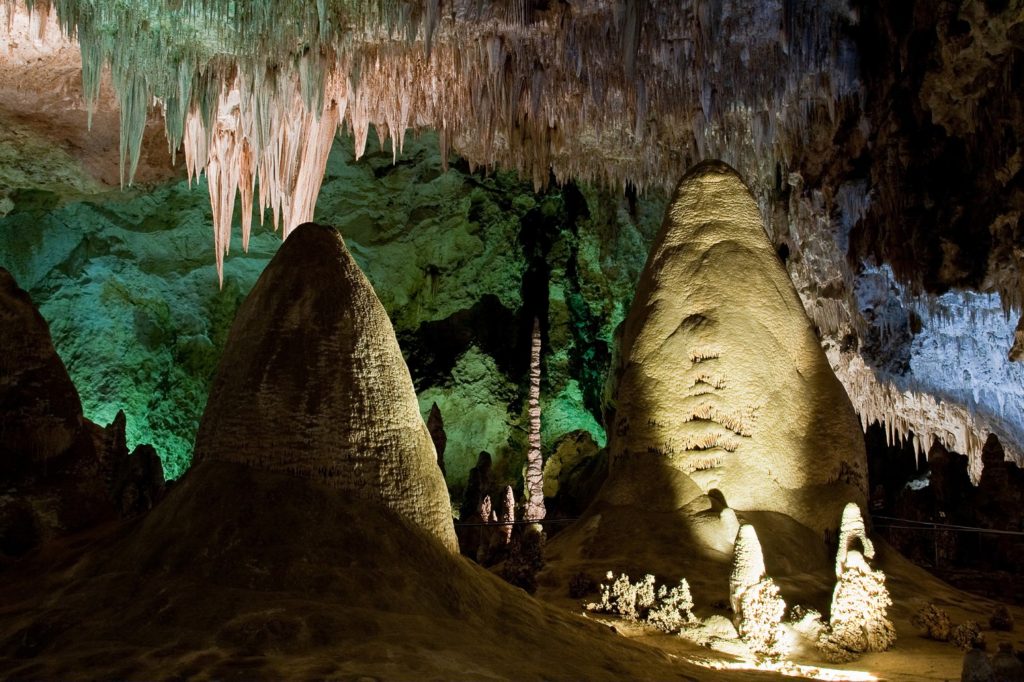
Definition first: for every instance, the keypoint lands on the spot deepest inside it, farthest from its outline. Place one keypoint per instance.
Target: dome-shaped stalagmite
(720, 373)
(312, 382)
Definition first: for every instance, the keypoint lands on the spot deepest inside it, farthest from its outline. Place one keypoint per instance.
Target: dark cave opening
(926, 506)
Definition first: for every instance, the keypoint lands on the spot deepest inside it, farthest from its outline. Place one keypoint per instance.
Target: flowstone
(725, 383)
(312, 382)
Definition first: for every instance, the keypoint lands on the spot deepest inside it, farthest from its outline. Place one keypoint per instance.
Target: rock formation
(59, 472)
(747, 567)
(933, 622)
(435, 425)
(858, 622)
(312, 382)
(41, 415)
(726, 382)
(508, 515)
(851, 530)
(754, 597)
(534, 475)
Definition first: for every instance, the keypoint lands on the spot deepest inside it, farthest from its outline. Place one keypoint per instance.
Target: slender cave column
(535, 510)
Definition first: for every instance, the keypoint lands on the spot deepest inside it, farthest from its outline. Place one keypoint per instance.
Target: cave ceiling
(880, 140)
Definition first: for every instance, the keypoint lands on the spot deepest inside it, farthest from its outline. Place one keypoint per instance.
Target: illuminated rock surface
(721, 375)
(312, 383)
(129, 290)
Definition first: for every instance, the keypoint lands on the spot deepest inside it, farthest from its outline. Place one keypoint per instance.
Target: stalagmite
(747, 567)
(534, 478)
(728, 384)
(312, 382)
(508, 514)
(858, 622)
(435, 425)
(757, 607)
(484, 512)
(851, 530)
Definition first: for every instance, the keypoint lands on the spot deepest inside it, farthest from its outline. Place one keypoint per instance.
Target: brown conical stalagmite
(312, 382)
(721, 375)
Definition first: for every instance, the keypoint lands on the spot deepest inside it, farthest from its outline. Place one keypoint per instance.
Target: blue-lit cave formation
(698, 320)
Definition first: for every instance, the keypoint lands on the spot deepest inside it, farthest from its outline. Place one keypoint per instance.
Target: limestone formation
(508, 515)
(534, 476)
(933, 622)
(312, 382)
(858, 621)
(435, 425)
(484, 512)
(1001, 619)
(851, 530)
(747, 567)
(40, 413)
(59, 472)
(757, 607)
(967, 635)
(720, 374)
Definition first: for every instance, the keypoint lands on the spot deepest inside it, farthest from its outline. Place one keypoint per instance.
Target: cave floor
(245, 574)
(913, 657)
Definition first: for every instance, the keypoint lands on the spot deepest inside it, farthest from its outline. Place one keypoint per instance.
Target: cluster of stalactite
(614, 92)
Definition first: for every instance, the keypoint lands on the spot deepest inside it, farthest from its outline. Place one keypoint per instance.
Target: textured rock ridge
(312, 382)
(59, 472)
(720, 372)
(40, 412)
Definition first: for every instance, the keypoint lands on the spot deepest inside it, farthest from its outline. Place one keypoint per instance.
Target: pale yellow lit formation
(721, 375)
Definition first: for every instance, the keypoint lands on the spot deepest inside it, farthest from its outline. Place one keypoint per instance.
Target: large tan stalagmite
(312, 382)
(720, 373)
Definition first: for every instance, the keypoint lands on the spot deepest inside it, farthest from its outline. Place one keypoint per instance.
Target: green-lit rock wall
(463, 262)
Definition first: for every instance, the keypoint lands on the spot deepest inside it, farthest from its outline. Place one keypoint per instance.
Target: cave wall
(461, 261)
(899, 219)
(898, 177)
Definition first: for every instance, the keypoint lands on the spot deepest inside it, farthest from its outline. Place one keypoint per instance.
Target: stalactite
(904, 412)
(534, 478)
(553, 91)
